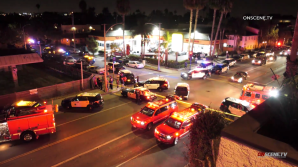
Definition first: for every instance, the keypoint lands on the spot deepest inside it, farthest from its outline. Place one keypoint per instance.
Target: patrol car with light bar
(158, 83)
(83, 100)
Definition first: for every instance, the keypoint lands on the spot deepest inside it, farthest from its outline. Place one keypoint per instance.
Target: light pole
(158, 66)
(73, 32)
(105, 56)
(25, 36)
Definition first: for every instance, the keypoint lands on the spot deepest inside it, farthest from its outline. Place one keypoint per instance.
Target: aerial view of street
(199, 83)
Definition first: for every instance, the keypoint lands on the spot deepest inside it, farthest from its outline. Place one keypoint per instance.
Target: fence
(40, 94)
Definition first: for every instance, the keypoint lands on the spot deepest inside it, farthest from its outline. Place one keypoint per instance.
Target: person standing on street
(185, 65)
(99, 83)
(111, 83)
(138, 78)
(137, 97)
(95, 83)
(117, 82)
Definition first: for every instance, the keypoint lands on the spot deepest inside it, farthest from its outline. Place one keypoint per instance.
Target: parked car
(135, 64)
(230, 61)
(69, 61)
(259, 61)
(74, 50)
(83, 100)
(182, 90)
(196, 73)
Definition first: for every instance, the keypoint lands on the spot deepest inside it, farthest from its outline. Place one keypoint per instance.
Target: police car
(220, 68)
(196, 73)
(145, 94)
(236, 106)
(158, 83)
(83, 100)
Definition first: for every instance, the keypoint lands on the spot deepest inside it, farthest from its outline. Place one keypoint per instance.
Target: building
(81, 33)
(249, 41)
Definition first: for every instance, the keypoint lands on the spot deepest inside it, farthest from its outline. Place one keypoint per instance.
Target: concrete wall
(232, 154)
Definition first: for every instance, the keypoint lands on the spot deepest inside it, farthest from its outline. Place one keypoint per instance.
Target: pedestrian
(111, 83)
(95, 83)
(137, 79)
(99, 83)
(185, 65)
(137, 97)
(118, 82)
(124, 80)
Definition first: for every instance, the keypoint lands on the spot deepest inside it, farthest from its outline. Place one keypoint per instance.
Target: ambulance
(256, 93)
(26, 120)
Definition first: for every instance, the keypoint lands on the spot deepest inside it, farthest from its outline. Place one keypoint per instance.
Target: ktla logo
(273, 154)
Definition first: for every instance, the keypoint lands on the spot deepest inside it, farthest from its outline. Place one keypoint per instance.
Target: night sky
(241, 7)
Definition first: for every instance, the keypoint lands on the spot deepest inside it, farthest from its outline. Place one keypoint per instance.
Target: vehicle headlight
(142, 123)
(131, 118)
(232, 77)
(280, 52)
(259, 61)
(285, 53)
(185, 74)
(240, 80)
(253, 61)
(271, 58)
(156, 131)
(274, 93)
(169, 137)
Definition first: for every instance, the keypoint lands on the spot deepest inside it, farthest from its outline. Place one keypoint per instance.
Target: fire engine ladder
(4, 132)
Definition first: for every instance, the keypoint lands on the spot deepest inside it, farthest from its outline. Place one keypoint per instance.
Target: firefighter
(137, 78)
(95, 83)
(99, 83)
(138, 97)
(124, 80)
(111, 83)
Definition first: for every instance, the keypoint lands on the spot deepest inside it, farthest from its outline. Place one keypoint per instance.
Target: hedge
(171, 63)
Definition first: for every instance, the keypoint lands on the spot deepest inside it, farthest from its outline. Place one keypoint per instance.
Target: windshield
(173, 123)
(147, 111)
(139, 63)
(181, 89)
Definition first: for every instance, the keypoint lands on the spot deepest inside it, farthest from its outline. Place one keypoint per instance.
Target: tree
(190, 5)
(10, 35)
(200, 5)
(272, 35)
(215, 5)
(114, 48)
(123, 7)
(237, 28)
(226, 7)
(166, 44)
(37, 6)
(83, 6)
(285, 36)
(204, 138)
(92, 45)
(144, 31)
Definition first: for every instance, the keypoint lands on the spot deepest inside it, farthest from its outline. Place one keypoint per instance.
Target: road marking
(92, 114)
(97, 147)
(136, 156)
(62, 140)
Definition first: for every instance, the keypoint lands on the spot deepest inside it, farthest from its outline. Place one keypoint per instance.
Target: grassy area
(150, 67)
(31, 77)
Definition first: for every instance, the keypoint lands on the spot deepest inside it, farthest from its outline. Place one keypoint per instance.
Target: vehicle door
(148, 84)
(132, 94)
(161, 114)
(83, 101)
(185, 127)
(201, 74)
(195, 74)
(155, 84)
(234, 109)
(75, 102)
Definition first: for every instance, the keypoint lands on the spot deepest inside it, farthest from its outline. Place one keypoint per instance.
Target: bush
(205, 137)
(134, 57)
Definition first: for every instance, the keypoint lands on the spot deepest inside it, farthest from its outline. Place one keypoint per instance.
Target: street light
(105, 56)
(158, 67)
(73, 32)
(24, 35)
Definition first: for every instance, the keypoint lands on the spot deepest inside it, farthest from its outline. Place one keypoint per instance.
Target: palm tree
(200, 5)
(83, 6)
(226, 7)
(190, 5)
(222, 32)
(237, 27)
(37, 6)
(291, 67)
(215, 5)
(144, 31)
(123, 7)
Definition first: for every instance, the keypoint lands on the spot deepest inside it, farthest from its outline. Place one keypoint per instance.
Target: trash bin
(144, 62)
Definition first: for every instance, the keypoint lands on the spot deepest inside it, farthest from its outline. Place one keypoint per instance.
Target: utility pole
(82, 86)
(158, 47)
(40, 54)
(123, 24)
(73, 32)
(105, 57)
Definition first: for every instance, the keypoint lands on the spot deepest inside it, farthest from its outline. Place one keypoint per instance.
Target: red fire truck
(177, 125)
(26, 120)
(256, 93)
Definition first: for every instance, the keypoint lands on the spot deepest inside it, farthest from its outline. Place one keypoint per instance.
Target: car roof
(199, 69)
(183, 115)
(85, 94)
(141, 88)
(182, 84)
(229, 59)
(158, 78)
(241, 72)
(126, 71)
(238, 101)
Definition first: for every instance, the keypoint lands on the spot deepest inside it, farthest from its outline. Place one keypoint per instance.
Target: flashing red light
(44, 102)
(253, 106)
(278, 44)
(190, 53)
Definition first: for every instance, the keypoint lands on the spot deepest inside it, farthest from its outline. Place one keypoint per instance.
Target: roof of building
(19, 59)
(15, 51)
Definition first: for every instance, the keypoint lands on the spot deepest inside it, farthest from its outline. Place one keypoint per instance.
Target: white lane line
(136, 156)
(97, 147)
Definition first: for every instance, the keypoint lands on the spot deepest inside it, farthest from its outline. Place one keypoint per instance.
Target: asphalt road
(104, 137)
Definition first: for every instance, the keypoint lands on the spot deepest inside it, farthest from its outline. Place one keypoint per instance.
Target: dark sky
(241, 7)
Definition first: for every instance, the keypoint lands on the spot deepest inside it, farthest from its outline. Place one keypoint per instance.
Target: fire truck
(256, 93)
(177, 125)
(26, 120)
